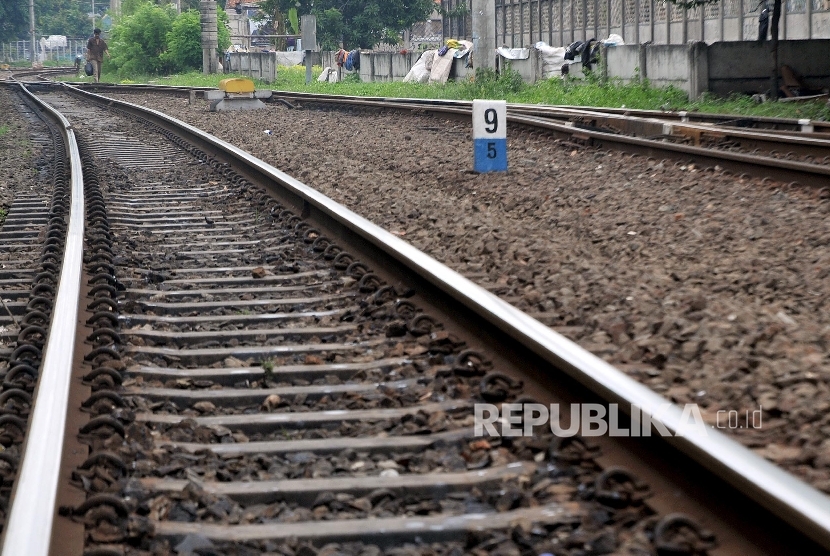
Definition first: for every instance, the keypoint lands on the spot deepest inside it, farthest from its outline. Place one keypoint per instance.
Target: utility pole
(484, 33)
(210, 36)
(32, 30)
(93, 14)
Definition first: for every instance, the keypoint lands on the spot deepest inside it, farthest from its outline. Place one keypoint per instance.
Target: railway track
(779, 149)
(262, 368)
(782, 126)
(42, 74)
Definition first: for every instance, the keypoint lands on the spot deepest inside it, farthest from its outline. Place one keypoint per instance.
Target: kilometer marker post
(489, 136)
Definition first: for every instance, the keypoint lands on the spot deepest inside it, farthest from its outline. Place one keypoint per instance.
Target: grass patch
(509, 86)
(4, 129)
(267, 368)
(3, 214)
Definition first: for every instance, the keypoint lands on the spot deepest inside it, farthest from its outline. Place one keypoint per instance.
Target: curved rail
(34, 498)
(779, 493)
(41, 73)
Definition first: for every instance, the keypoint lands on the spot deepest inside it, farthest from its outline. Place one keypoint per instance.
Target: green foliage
(330, 27)
(129, 7)
(223, 30)
(461, 10)
(14, 21)
(294, 20)
(488, 84)
(356, 24)
(152, 39)
(52, 17)
(3, 214)
(4, 129)
(194, 4)
(550, 92)
(184, 41)
(744, 105)
(139, 40)
(65, 17)
(184, 46)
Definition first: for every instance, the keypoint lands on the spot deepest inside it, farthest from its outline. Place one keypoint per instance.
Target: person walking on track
(95, 50)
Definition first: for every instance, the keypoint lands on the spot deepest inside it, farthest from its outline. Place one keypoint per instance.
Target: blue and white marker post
(490, 136)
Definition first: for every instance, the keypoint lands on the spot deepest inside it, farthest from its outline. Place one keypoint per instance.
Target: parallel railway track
(783, 153)
(253, 383)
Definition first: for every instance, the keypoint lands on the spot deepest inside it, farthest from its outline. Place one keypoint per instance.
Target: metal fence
(20, 51)
(521, 23)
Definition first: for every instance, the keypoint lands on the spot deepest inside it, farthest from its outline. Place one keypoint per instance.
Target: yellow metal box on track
(236, 85)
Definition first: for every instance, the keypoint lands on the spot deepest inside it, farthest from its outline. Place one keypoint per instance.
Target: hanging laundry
(340, 57)
(352, 60)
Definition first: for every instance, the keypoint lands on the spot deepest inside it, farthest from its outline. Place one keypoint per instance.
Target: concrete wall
(744, 67)
(663, 65)
(401, 64)
(381, 64)
(622, 62)
(258, 65)
(460, 70)
(528, 68)
(393, 66)
(821, 24)
(722, 68)
(521, 23)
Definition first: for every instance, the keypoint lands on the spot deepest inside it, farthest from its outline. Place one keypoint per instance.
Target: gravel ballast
(707, 287)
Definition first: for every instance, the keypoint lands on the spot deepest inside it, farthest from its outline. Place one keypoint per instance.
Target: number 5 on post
(489, 136)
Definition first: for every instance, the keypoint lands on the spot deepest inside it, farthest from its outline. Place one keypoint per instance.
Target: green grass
(509, 87)
(4, 129)
(3, 214)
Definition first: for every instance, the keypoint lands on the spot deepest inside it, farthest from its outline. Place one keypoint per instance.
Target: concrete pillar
(603, 64)
(698, 69)
(484, 34)
(210, 36)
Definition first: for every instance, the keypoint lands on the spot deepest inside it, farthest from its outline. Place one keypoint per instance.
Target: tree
(65, 17)
(194, 4)
(52, 17)
(184, 40)
(356, 24)
(14, 21)
(776, 17)
(130, 6)
(137, 41)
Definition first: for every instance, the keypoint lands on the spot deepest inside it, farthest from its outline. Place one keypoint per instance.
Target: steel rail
(771, 126)
(42, 72)
(753, 122)
(779, 493)
(28, 528)
(762, 166)
(775, 124)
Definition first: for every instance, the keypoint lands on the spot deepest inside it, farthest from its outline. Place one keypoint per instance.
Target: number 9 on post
(489, 136)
